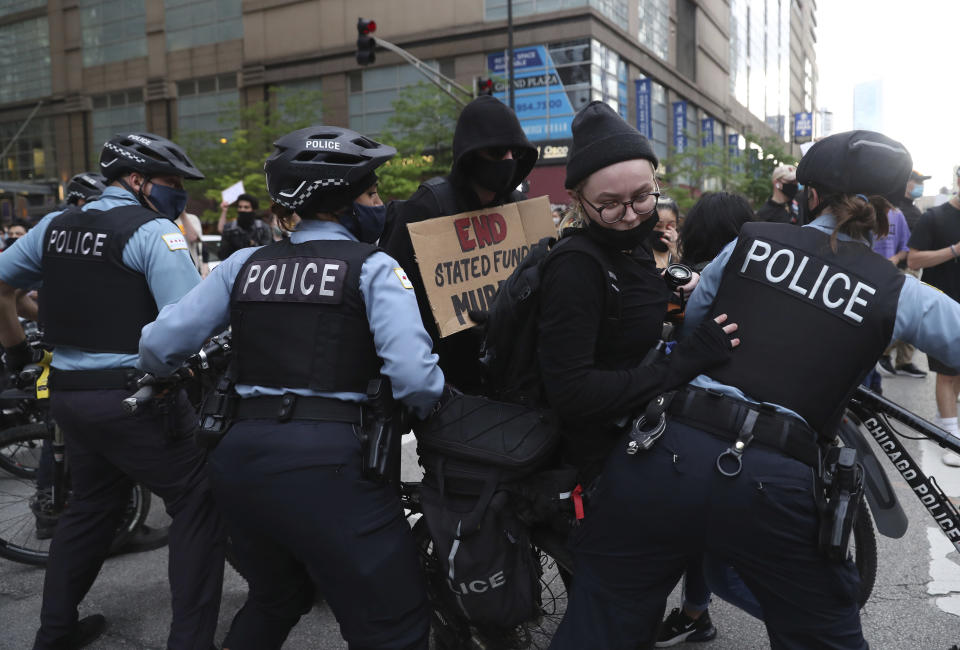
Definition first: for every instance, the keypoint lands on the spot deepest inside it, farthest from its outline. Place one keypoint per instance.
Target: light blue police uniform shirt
(169, 273)
(926, 317)
(398, 333)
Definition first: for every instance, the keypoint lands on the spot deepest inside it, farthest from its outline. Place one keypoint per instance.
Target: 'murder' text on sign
(294, 279)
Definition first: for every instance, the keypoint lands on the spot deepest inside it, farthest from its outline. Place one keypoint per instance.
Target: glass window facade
(113, 30)
(372, 91)
(190, 23)
(615, 10)
(654, 19)
(117, 112)
(13, 6)
(202, 103)
(287, 88)
(33, 155)
(24, 60)
(760, 59)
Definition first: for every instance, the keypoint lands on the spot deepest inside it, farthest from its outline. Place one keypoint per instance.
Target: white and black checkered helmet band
(319, 161)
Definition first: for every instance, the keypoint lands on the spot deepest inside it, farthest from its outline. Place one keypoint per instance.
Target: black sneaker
(885, 368)
(88, 630)
(680, 628)
(910, 370)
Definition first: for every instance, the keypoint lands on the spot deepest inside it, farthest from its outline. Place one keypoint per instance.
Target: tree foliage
(421, 128)
(710, 167)
(241, 156)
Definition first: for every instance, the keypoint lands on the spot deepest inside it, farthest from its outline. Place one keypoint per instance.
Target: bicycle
(28, 514)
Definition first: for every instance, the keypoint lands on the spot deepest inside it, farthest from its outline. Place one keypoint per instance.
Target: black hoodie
(484, 122)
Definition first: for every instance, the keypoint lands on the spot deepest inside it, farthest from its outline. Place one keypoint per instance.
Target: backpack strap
(578, 241)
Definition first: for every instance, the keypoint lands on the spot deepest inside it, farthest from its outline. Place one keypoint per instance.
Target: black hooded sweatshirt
(484, 122)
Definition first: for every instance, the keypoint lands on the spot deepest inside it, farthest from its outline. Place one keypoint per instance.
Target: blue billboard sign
(802, 126)
(707, 126)
(644, 108)
(540, 101)
(733, 144)
(680, 126)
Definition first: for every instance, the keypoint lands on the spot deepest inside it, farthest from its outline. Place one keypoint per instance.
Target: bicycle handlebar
(867, 399)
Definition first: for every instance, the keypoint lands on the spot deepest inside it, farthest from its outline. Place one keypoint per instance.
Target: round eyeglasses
(614, 211)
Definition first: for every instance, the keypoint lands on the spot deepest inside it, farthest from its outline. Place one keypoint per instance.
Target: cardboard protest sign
(465, 257)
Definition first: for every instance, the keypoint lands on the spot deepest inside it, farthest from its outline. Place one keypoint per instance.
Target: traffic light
(484, 86)
(366, 44)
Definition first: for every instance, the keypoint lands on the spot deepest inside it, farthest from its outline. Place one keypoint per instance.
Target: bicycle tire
(18, 540)
(451, 632)
(865, 552)
(20, 449)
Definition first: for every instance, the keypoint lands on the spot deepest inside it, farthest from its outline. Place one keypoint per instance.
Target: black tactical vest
(811, 322)
(299, 319)
(90, 299)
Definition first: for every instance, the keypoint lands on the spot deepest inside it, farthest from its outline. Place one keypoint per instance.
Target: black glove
(20, 355)
(706, 347)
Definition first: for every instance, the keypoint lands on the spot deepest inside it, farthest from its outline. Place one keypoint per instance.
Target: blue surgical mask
(169, 201)
(916, 192)
(365, 222)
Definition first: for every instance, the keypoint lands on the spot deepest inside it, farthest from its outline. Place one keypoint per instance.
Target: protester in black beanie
(602, 138)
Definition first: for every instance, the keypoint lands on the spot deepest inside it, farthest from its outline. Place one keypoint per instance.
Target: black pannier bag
(474, 452)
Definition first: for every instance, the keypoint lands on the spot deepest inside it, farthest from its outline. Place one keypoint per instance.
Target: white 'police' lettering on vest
(294, 279)
(796, 273)
(77, 242)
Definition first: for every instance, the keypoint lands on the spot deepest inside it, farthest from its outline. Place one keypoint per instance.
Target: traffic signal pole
(510, 53)
(441, 81)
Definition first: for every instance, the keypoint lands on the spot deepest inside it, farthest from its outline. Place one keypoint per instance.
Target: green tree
(699, 168)
(421, 128)
(240, 157)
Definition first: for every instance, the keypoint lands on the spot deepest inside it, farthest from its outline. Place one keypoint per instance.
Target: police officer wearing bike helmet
(737, 473)
(105, 270)
(314, 318)
(85, 187)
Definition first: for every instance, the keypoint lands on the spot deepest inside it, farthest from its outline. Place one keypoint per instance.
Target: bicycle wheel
(864, 551)
(18, 531)
(452, 632)
(20, 448)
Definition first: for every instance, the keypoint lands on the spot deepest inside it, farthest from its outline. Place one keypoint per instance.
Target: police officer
(105, 270)
(734, 473)
(85, 187)
(314, 318)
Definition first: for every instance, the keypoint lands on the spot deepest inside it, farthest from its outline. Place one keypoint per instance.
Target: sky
(913, 48)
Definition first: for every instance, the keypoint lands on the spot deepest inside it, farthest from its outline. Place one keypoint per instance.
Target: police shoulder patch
(175, 241)
(404, 280)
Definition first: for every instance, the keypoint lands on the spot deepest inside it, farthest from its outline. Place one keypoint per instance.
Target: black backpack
(509, 349)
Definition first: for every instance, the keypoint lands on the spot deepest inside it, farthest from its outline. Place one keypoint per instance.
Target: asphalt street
(918, 583)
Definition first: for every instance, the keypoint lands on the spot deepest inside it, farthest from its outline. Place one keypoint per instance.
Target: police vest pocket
(377, 518)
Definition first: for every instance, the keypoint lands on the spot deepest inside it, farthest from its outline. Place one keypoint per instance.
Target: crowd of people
(324, 295)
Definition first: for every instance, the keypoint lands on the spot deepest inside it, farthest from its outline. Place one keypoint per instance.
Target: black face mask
(622, 240)
(494, 175)
(789, 190)
(245, 219)
(656, 243)
(9, 241)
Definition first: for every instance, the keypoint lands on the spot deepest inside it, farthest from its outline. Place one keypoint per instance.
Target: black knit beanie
(600, 139)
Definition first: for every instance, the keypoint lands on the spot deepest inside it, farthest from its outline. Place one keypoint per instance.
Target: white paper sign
(231, 193)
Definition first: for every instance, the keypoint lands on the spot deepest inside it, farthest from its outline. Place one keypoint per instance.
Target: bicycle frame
(869, 408)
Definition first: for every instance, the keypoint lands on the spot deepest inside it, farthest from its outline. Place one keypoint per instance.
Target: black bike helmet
(322, 168)
(146, 153)
(857, 162)
(87, 186)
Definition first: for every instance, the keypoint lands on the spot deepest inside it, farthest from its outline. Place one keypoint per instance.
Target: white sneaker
(951, 459)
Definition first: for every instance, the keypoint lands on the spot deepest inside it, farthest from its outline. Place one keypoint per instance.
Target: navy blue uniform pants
(652, 511)
(107, 450)
(300, 514)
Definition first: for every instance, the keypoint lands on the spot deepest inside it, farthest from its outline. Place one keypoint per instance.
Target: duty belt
(106, 379)
(296, 407)
(728, 418)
